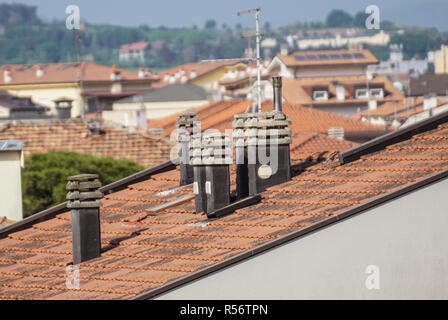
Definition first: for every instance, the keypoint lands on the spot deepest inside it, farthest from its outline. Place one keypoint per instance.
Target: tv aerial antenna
(258, 36)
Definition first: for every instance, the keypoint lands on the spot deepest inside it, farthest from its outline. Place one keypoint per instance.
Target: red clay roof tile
(169, 246)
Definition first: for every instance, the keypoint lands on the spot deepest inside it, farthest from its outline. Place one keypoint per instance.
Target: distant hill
(26, 39)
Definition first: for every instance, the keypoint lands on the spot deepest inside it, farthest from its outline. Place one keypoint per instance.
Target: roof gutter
(108, 189)
(293, 235)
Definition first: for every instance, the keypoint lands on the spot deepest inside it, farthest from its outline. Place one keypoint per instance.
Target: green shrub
(45, 176)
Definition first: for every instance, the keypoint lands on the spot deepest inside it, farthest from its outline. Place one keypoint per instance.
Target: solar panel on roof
(25, 67)
(324, 56)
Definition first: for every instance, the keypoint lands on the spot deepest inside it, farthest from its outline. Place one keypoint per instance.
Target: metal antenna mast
(258, 59)
(78, 47)
(258, 37)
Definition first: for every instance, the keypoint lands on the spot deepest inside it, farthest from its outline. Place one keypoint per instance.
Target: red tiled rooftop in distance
(75, 136)
(401, 109)
(219, 115)
(136, 46)
(144, 255)
(299, 90)
(290, 61)
(64, 73)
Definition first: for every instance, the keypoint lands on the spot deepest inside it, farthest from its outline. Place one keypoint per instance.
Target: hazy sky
(178, 13)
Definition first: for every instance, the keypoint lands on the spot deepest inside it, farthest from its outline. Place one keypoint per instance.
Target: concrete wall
(405, 238)
(10, 185)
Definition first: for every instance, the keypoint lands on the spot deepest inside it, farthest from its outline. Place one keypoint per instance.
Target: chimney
(7, 75)
(141, 73)
(284, 51)
(262, 148)
(64, 108)
(11, 163)
(211, 157)
(39, 71)
(277, 85)
(115, 74)
(185, 129)
(83, 200)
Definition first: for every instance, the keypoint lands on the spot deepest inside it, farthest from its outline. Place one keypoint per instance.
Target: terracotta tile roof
(64, 73)
(300, 90)
(317, 146)
(75, 136)
(328, 57)
(219, 115)
(191, 71)
(400, 109)
(136, 46)
(142, 254)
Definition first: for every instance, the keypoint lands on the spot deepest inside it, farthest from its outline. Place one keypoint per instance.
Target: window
(376, 93)
(320, 95)
(361, 93)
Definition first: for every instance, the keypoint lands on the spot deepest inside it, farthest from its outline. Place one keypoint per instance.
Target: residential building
(98, 139)
(325, 63)
(11, 163)
(12, 107)
(395, 114)
(344, 95)
(429, 84)
(240, 82)
(133, 52)
(204, 74)
(356, 226)
(157, 103)
(399, 70)
(91, 86)
(341, 38)
(441, 60)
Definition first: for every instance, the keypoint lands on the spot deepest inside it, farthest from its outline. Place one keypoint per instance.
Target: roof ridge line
(392, 138)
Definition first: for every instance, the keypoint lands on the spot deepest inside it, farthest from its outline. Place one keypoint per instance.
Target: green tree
(338, 19)
(45, 176)
(360, 19)
(210, 24)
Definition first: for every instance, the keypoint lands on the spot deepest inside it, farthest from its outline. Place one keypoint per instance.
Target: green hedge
(45, 176)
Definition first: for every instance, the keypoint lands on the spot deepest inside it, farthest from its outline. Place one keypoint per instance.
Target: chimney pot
(185, 129)
(83, 200)
(277, 86)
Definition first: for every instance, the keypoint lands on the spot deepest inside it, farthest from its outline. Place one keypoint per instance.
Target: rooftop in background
(219, 115)
(21, 74)
(190, 71)
(136, 46)
(429, 84)
(301, 90)
(328, 57)
(73, 135)
(152, 253)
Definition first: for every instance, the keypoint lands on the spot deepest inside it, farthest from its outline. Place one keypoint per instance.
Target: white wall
(405, 238)
(10, 185)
